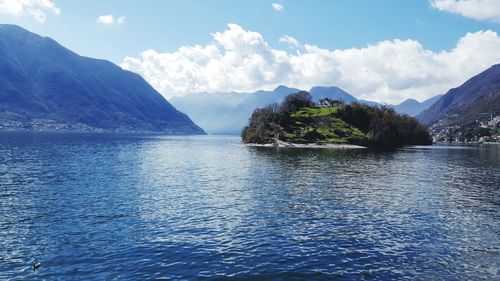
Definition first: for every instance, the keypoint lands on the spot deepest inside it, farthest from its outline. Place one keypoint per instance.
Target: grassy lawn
(315, 112)
(316, 125)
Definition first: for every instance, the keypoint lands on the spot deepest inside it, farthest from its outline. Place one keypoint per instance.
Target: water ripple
(128, 208)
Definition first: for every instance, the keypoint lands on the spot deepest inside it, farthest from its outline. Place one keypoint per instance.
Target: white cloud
(278, 6)
(120, 20)
(388, 71)
(106, 19)
(289, 40)
(485, 10)
(33, 8)
(110, 19)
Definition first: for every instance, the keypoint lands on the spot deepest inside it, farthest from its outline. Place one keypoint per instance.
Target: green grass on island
(322, 128)
(299, 120)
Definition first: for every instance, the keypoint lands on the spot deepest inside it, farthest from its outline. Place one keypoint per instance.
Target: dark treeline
(377, 127)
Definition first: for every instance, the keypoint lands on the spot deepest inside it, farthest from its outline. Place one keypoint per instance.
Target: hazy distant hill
(227, 113)
(44, 86)
(413, 107)
(331, 92)
(477, 98)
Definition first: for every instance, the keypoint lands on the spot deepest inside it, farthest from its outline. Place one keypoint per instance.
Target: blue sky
(165, 26)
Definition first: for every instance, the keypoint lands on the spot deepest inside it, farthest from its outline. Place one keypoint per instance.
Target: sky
(381, 50)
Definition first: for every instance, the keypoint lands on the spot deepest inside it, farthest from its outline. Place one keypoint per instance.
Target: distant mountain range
(44, 86)
(413, 107)
(465, 113)
(227, 113)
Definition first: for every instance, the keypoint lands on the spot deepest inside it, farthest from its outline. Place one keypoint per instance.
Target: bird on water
(36, 266)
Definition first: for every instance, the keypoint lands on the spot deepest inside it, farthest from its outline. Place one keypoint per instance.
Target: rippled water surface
(142, 208)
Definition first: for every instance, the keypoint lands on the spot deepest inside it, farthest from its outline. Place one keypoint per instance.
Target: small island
(300, 122)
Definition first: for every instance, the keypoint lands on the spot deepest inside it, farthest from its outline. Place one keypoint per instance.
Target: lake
(125, 207)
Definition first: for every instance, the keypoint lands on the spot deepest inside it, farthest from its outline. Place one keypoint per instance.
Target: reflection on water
(128, 207)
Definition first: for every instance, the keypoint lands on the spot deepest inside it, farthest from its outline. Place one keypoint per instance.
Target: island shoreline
(283, 144)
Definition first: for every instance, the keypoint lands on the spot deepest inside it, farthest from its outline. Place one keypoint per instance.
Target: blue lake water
(117, 207)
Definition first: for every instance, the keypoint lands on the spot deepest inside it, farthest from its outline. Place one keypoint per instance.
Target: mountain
(227, 113)
(478, 97)
(263, 98)
(332, 92)
(336, 93)
(370, 103)
(44, 86)
(413, 107)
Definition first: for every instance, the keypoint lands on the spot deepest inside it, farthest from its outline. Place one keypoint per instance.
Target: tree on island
(294, 102)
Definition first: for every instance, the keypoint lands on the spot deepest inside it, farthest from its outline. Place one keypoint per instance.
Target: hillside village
(475, 132)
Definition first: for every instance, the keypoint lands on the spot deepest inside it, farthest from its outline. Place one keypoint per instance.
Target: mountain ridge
(217, 116)
(468, 113)
(413, 107)
(45, 86)
(465, 98)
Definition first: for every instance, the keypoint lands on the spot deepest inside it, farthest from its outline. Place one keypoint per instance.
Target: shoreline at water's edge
(101, 131)
(464, 143)
(282, 144)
